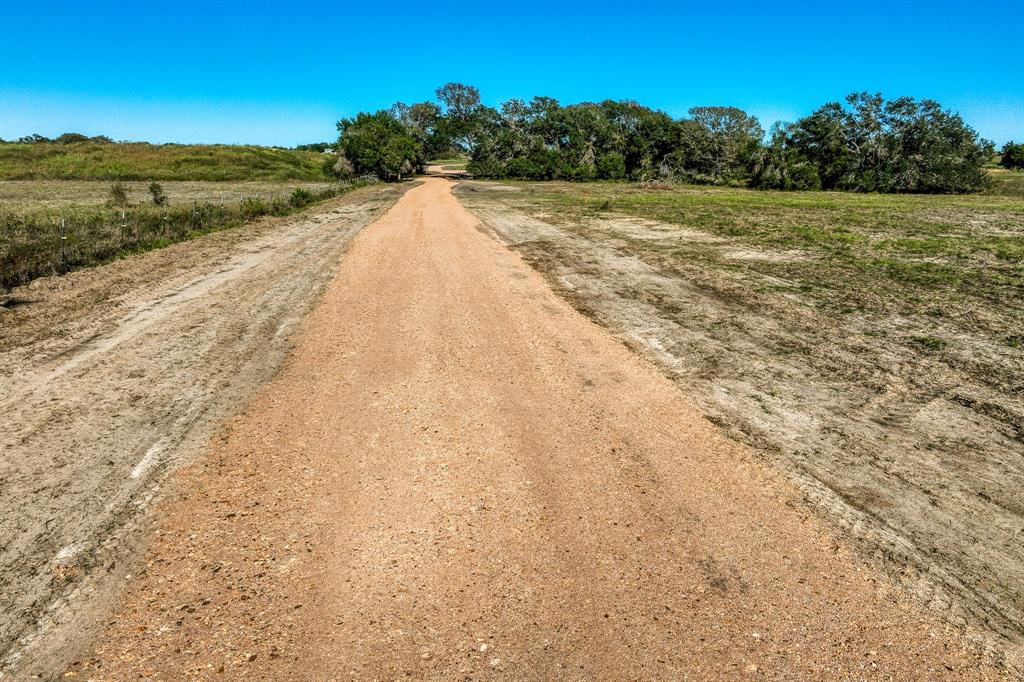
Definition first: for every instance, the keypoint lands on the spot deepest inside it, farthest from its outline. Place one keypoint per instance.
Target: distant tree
(714, 145)
(864, 144)
(34, 138)
(733, 136)
(692, 158)
(612, 140)
(460, 101)
(543, 140)
(643, 136)
(871, 145)
(315, 146)
(825, 139)
(464, 115)
(68, 138)
(157, 193)
(777, 166)
(380, 144)
(422, 121)
(1012, 156)
(930, 149)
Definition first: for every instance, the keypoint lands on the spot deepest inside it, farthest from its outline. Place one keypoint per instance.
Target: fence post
(63, 244)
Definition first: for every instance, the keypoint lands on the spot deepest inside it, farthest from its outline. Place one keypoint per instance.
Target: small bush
(280, 206)
(928, 342)
(300, 197)
(157, 192)
(118, 194)
(253, 207)
(341, 168)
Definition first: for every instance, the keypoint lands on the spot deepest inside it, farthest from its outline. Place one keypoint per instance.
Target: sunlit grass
(897, 253)
(143, 161)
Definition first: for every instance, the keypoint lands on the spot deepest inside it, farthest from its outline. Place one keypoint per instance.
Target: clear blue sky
(284, 72)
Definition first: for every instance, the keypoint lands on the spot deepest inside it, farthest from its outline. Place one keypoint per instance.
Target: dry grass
(941, 256)
(27, 195)
(58, 226)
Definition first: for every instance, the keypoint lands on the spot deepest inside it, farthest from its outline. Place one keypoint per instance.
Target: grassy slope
(143, 161)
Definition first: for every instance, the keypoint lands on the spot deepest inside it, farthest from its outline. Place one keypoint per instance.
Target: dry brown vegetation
(23, 195)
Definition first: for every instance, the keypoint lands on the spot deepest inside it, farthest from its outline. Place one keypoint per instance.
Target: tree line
(865, 143)
(64, 138)
(79, 138)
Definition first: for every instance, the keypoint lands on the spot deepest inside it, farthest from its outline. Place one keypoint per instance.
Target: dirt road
(110, 376)
(456, 476)
(915, 455)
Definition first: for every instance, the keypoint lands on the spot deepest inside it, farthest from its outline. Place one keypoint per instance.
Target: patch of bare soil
(112, 375)
(918, 457)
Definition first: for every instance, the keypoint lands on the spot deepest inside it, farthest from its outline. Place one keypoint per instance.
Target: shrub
(380, 144)
(300, 197)
(611, 166)
(341, 167)
(157, 192)
(252, 207)
(118, 194)
(1012, 156)
(68, 138)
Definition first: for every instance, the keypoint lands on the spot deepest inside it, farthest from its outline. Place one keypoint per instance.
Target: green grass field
(143, 161)
(454, 161)
(937, 255)
(55, 212)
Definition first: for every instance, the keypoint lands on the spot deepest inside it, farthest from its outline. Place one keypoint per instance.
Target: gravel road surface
(454, 475)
